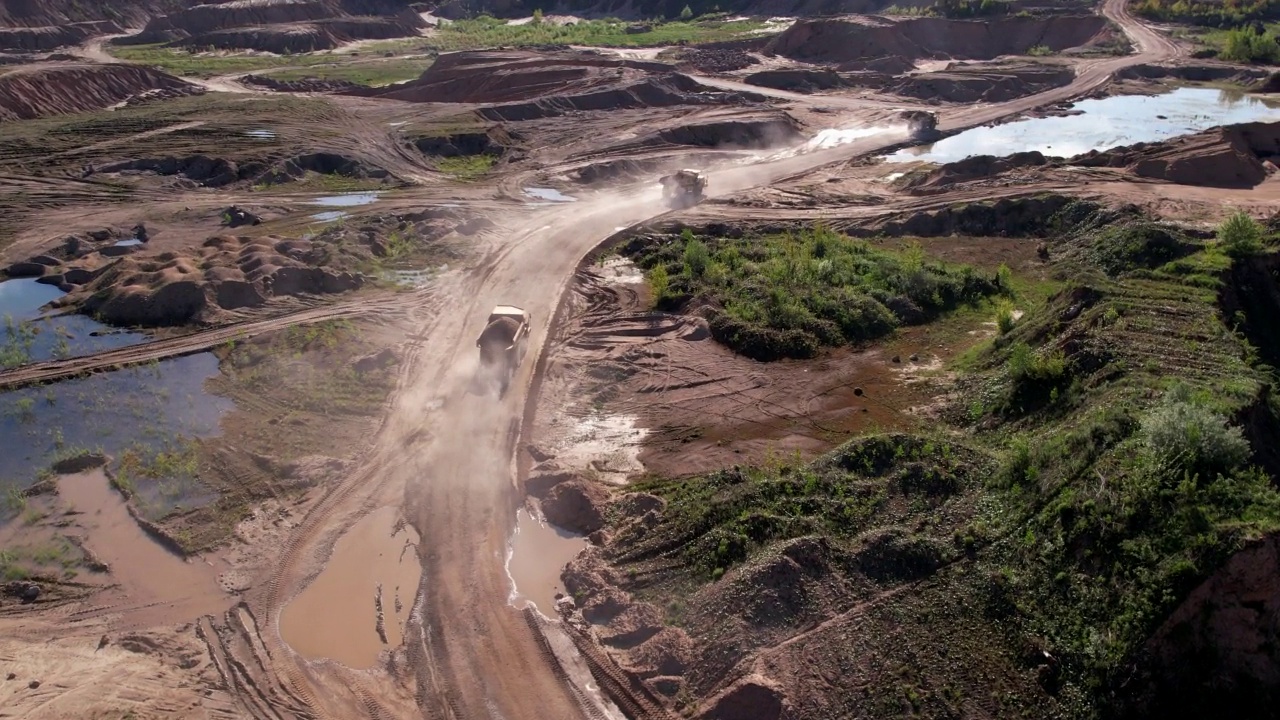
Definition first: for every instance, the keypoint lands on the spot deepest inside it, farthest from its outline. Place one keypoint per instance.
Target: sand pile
(1235, 156)
(40, 92)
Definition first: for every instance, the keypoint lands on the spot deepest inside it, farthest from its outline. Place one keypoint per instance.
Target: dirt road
(446, 457)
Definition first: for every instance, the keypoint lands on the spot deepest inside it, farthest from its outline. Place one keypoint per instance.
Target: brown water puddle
(539, 551)
(151, 576)
(335, 617)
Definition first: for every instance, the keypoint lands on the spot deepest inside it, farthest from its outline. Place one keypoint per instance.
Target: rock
(537, 454)
(33, 684)
(11, 676)
(140, 232)
(576, 505)
(541, 483)
(100, 235)
(172, 304)
(897, 358)
(118, 250)
(236, 217)
(235, 294)
(914, 357)
(79, 463)
(28, 592)
(78, 276)
(25, 269)
(376, 361)
(46, 260)
(754, 697)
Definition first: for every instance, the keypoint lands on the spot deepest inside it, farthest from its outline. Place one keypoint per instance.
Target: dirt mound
(1193, 73)
(495, 140)
(973, 168)
(529, 86)
(42, 39)
(250, 24)
(968, 84)
(1227, 157)
(206, 171)
(715, 60)
(798, 79)
(508, 76)
(1006, 217)
(28, 94)
(229, 273)
(894, 46)
(576, 505)
(765, 131)
(302, 37)
(307, 85)
(754, 697)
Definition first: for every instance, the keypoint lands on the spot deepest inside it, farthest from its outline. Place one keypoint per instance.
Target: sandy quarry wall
(27, 94)
(48, 13)
(853, 42)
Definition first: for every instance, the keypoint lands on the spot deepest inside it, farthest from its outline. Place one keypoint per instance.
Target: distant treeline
(1227, 14)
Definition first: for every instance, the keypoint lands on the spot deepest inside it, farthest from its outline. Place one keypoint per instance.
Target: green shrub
(1240, 235)
(788, 295)
(1185, 437)
(1004, 317)
(1246, 46)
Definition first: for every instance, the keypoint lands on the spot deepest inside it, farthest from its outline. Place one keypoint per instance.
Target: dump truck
(921, 124)
(502, 344)
(683, 188)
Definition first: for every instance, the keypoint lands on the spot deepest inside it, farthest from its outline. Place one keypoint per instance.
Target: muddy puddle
(351, 199)
(131, 242)
(548, 194)
(147, 414)
(539, 551)
(146, 571)
(261, 134)
(329, 215)
(608, 446)
(414, 278)
(621, 271)
(29, 332)
(374, 567)
(1102, 124)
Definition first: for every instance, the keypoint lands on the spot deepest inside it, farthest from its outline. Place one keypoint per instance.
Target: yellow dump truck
(503, 343)
(683, 188)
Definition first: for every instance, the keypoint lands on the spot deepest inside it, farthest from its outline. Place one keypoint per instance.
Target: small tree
(1240, 235)
(537, 16)
(686, 13)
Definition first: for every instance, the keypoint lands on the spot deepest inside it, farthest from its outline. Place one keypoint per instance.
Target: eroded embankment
(893, 46)
(40, 92)
(527, 86)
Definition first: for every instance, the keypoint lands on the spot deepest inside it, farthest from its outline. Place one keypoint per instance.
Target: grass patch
(789, 295)
(369, 73)
(466, 167)
(881, 481)
(204, 65)
(485, 32)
